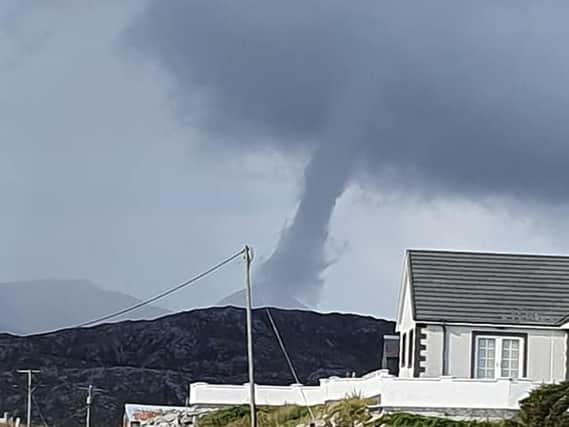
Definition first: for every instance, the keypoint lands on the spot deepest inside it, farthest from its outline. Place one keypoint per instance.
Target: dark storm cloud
(459, 97)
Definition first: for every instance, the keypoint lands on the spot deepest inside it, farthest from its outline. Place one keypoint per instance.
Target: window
(391, 354)
(486, 358)
(403, 349)
(498, 356)
(510, 358)
(410, 348)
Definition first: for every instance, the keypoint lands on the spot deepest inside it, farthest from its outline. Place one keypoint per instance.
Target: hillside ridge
(153, 361)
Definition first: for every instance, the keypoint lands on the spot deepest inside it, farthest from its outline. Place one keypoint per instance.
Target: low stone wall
(405, 394)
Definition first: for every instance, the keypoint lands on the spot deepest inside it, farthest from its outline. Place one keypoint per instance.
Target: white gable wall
(405, 323)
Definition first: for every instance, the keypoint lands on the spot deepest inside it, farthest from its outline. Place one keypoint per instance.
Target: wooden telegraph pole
(248, 254)
(29, 373)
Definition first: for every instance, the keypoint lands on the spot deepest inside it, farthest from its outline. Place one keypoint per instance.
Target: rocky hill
(154, 361)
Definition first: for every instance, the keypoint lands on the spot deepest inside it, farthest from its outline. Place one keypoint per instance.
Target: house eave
(404, 287)
(494, 325)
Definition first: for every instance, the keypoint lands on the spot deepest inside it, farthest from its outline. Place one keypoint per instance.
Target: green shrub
(545, 406)
(348, 412)
(224, 417)
(412, 420)
(283, 416)
(289, 413)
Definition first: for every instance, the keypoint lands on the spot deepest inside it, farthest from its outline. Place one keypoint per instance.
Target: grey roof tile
(489, 287)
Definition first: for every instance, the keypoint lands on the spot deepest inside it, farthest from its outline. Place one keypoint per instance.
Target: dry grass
(345, 413)
(283, 416)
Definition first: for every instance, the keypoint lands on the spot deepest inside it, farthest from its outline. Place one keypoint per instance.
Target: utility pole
(90, 390)
(29, 373)
(248, 255)
(89, 401)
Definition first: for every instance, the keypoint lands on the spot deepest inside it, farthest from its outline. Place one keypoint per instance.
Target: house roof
(496, 288)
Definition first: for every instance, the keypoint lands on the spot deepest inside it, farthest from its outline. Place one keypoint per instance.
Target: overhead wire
(188, 283)
(163, 294)
(282, 346)
(286, 356)
(34, 400)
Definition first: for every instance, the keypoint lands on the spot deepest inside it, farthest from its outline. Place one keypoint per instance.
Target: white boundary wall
(8, 421)
(445, 392)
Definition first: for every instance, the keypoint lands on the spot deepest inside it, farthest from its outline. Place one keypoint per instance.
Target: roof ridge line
(487, 252)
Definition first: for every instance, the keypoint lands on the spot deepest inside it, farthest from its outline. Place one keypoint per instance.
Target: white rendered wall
(454, 393)
(433, 352)
(404, 325)
(389, 390)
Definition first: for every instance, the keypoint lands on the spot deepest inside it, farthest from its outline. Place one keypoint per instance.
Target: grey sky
(139, 144)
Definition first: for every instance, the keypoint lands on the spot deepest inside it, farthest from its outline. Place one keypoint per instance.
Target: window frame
(477, 350)
(520, 356)
(499, 337)
(410, 347)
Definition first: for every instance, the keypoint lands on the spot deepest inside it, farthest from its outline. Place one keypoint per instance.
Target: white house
(478, 331)
(484, 316)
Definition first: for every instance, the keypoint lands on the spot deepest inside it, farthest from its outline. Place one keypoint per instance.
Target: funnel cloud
(454, 98)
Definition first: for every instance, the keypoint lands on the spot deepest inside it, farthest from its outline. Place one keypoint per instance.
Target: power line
(285, 354)
(288, 359)
(165, 293)
(282, 346)
(39, 411)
